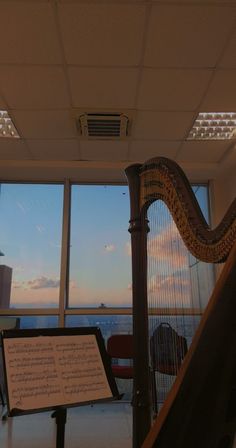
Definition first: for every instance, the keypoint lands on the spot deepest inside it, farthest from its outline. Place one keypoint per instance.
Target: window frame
(63, 309)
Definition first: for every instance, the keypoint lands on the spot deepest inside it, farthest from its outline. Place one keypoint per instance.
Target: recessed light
(7, 128)
(214, 126)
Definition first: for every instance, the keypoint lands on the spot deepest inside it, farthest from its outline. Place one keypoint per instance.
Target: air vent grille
(103, 125)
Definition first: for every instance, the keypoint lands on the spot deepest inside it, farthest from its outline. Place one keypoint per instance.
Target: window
(99, 257)
(30, 244)
(100, 262)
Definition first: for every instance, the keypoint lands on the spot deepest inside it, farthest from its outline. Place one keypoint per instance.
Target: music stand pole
(60, 416)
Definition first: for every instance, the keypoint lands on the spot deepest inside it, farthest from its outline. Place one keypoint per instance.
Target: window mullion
(64, 272)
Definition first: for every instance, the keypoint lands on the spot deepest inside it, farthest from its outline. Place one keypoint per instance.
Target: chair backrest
(120, 346)
(167, 349)
(9, 322)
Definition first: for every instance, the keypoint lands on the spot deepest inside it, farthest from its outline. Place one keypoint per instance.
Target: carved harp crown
(161, 178)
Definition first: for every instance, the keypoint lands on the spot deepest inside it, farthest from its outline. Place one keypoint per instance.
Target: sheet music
(47, 371)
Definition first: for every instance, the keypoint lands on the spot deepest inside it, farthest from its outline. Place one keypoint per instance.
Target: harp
(199, 410)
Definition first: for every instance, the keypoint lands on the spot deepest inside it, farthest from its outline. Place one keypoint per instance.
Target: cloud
(16, 285)
(160, 283)
(21, 207)
(57, 245)
(73, 284)
(40, 228)
(128, 248)
(43, 282)
(37, 283)
(22, 295)
(168, 246)
(18, 268)
(170, 289)
(110, 247)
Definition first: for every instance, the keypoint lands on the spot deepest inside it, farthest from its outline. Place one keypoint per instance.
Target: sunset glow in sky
(31, 229)
(100, 251)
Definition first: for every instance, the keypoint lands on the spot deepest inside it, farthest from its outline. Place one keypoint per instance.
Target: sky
(100, 251)
(31, 229)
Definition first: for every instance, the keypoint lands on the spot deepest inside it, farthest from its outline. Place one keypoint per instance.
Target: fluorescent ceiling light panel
(7, 128)
(214, 126)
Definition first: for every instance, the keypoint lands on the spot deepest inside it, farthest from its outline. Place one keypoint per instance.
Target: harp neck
(162, 179)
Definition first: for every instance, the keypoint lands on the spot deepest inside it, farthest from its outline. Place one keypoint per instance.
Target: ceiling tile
(13, 149)
(198, 151)
(34, 87)
(143, 150)
(110, 1)
(2, 104)
(104, 150)
(103, 43)
(45, 124)
(103, 87)
(193, 35)
(102, 34)
(162, 125)
(189, 1)
(221, 95)
(54, 149)
(229, 161)
(30, 34)
(228, 59)
(172, 89)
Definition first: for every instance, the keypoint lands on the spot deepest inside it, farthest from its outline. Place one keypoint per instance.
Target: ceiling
(160, 62)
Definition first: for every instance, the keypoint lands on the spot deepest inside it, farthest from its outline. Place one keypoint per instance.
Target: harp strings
(178, 288)
(162, 300)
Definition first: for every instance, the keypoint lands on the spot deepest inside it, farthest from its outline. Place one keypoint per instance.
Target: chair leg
(154, 393)
(1, 396)
(4, 415)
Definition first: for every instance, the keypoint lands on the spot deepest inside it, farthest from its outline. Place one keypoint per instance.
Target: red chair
(120, 347)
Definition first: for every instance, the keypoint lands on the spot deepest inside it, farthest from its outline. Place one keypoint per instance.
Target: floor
(97, 426)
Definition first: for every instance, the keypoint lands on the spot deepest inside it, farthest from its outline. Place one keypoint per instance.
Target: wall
(223, 192)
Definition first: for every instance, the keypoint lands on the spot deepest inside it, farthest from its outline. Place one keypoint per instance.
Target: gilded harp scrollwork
(162, 179)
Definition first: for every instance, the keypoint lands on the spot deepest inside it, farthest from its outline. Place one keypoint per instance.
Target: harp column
(141, 389)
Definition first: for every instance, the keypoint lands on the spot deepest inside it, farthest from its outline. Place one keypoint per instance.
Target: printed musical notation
(47, 371)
